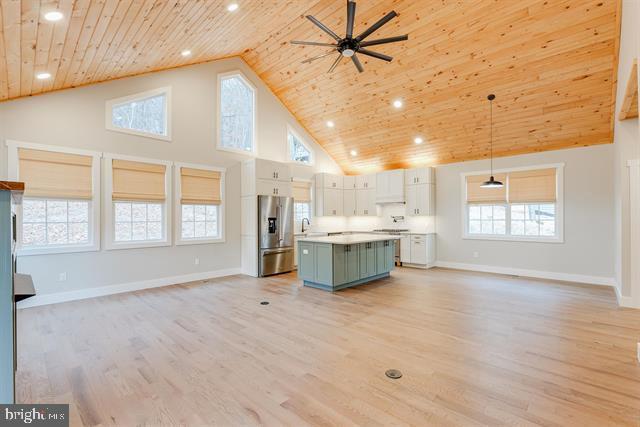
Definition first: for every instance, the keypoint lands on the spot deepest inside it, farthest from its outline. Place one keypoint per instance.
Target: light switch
(305, 251)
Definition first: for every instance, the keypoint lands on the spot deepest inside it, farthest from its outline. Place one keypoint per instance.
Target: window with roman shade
(527, 207)
(301, 202)
(201, 198)
(57, 213)
(138, 194)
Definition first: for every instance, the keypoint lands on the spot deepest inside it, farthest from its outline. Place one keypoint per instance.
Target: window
(143, 114)
(59, 212)
(137, 221)
(137, 194)
(298, 150)
(302, 201)
(528, 207)
(236, 102)
(199, 203)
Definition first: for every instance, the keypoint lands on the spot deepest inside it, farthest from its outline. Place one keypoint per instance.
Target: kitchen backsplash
(419, 224)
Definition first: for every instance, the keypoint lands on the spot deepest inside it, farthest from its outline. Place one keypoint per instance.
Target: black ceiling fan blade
(375, 55)
(310, 60)
(323, 27)
(375, 27)
(385, 40)
(351, 15)
(312, 43)
(357, 63)
(335, 64)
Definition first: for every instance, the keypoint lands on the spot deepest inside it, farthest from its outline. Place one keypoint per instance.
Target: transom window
(236, 113)
(298, 150)
(527, 207)
(138, 222)
(145, 114)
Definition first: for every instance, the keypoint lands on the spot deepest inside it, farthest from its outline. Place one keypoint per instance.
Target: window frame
(110, 243)
(94, 205)
(254, 139)
(303, 141)
(559, 207)
(166, 90)
(178, 206)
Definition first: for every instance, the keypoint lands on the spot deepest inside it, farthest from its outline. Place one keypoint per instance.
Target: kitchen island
(332, 263)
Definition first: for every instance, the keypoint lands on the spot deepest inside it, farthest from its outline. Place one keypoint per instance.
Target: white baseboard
(626, 301)
(538, 274)
(123, 287)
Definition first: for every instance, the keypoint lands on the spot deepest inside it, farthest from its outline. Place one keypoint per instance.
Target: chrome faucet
(308, 223)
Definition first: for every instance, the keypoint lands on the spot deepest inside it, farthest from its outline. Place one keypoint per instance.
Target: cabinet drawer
(418, 237)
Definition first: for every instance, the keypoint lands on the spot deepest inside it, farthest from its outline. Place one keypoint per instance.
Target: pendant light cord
(491, 133)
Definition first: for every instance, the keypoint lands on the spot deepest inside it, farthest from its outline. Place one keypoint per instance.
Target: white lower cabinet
(418, 250)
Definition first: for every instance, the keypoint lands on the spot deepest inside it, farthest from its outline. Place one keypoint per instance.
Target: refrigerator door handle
(280, 224)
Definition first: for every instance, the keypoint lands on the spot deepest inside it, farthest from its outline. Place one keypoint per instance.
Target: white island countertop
(349, 239)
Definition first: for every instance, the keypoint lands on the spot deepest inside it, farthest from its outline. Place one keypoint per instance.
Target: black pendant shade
(492, 183)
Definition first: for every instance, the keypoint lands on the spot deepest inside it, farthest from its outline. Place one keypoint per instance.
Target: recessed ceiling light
(53, 16)
(232, 7)
(418, 140)
(353, 153)
(185, 53)
(398, 103)
(43, 76)
(330, 124)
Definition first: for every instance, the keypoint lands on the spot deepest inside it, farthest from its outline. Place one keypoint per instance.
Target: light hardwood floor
(475, 349)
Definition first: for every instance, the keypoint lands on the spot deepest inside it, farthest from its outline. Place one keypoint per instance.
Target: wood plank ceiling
(551, 63)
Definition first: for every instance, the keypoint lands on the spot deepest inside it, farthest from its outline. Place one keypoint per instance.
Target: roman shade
(138, 181)
(301, 191)
(532, 186)
(200, 187)
(477, 194)
(51, 174)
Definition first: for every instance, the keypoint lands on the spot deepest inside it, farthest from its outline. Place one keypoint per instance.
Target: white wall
(626, 144)
(588, 218)
(75, 118)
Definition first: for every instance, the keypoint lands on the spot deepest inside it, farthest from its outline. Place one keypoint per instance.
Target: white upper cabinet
(329, 202)
(327, 180)
(366, 202)
(276, 171)
(349, 182)
(349, 206)
(364, 182)
(420, 200)
(390, 186)
(419, 176)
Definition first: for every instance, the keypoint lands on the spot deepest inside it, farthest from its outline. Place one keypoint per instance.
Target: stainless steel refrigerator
(275, 235)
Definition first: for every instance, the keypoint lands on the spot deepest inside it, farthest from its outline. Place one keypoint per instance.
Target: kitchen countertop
(349, 239)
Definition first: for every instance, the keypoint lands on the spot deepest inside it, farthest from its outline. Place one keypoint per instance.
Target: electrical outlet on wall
(476, 255)
(62, 277)
(196, 261)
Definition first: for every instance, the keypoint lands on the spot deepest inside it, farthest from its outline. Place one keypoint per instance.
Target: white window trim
(178, 206)
(312, 154)
(558, 238)
(254, 142)
(139, 96)
(94, 208)
(110, 243)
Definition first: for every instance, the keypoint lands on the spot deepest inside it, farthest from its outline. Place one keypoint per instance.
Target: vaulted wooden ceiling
(551, 63)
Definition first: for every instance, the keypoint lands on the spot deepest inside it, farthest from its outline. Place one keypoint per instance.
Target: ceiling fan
(349, 46)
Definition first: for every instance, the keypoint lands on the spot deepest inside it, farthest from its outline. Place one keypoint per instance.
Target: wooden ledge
(11, 186)
(629, 108)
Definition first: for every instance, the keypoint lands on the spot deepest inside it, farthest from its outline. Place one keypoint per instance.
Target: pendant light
(492, 183)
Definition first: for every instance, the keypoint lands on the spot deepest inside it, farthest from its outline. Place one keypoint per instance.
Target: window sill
(295, 162)
(137, 245)
(187, 242)
(53, 250)
(514, 238)
(166, 138)
(252, 153)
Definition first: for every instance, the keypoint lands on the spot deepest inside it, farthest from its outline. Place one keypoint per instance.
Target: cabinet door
(323, 263)
(348, 182)
(365, 181)
(371, 259)
(273, 188)
(340, 264)
(395, 182)
(349, 207)
(353, 263)
(391, 254)
(409, 177)
(362, 203)
(411, 206)
(418, 250)
(283, 172)
(382, 184)
(362, 254)
(405, 248)
(425, 199)
(305, 262)
(371, 202)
